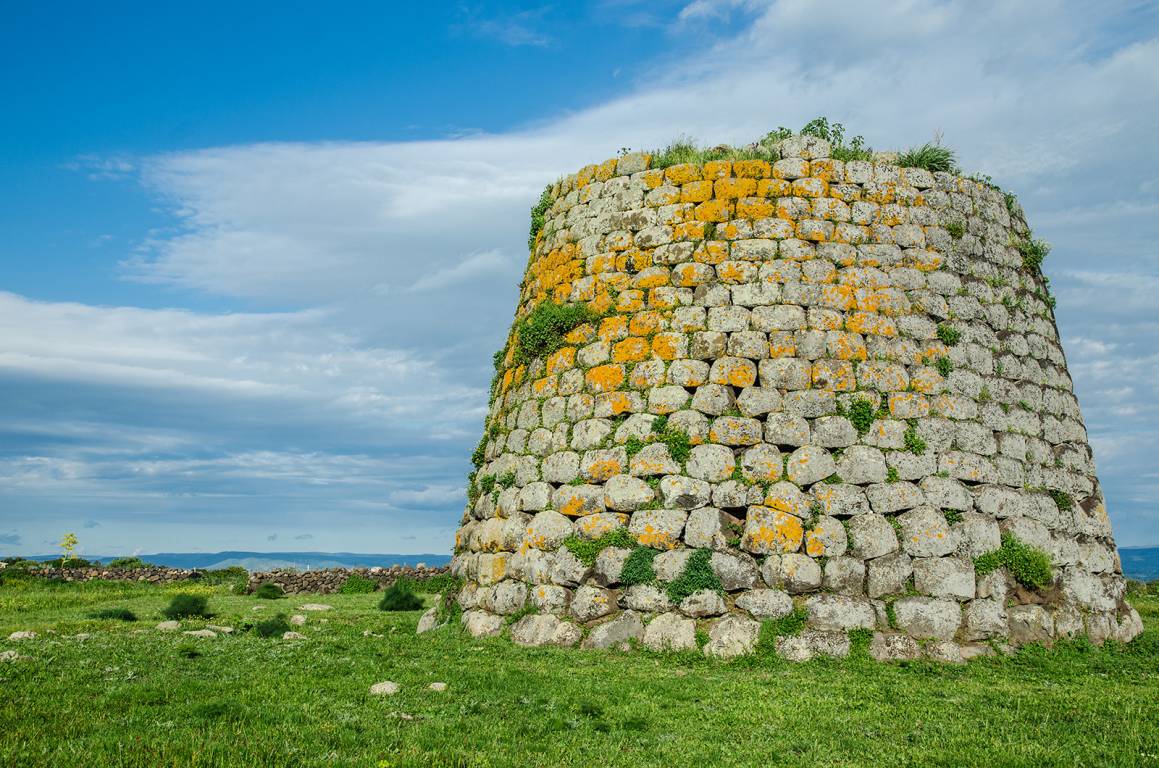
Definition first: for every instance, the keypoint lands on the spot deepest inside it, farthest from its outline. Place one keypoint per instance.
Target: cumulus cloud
(379, 277)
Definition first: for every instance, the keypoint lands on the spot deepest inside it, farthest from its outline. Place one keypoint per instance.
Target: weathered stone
(983, 619)
(888, 575)
(795, 573)
(609, 563)
(703, 603)
(861, 464)
(567, 570)
(670, 632)
(732, 636)
(826, 538)
(706, 528)
(808, 464)
(1029, 624)
(871, 536)
(812, 643)
(927, 617)
(839, 612)
(925, 533)
(658, 528)
(646, 598)
(713, 463)
(625, 493)
(771, 531)
(482, 624)
(617, 633)
(944, 577)
(684, 492)
(844, 575)
(591, 603)
(385, 688)
(893, 647)
(734, 571)
(669, 565)
(544, 629)
(945, 651)
(765, 603)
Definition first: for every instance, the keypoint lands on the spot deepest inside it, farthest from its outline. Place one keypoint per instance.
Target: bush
(697, 575)
(120, 614)
(184, 606)
(539, 216)
(834, 133)
(399, 597)
(677, 440)
(1033, 253)
(358, 585)
(439, 584)
(268, 590)
(931, 156)
(274, 626)
(235, 576)
(542, 331)
(71, 562)
(1029, 566)
(638, 567)
(128, 563)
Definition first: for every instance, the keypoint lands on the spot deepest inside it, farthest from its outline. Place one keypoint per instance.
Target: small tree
(68, 544)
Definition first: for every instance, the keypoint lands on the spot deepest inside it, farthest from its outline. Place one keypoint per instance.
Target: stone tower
(790, 400)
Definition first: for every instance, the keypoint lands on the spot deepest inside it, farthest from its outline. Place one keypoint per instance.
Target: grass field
(130, 695)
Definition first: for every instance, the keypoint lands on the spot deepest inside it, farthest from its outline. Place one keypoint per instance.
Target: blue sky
(255, 263)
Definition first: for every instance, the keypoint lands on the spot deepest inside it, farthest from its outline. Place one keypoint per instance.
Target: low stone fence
(330, 580)
(322, 581)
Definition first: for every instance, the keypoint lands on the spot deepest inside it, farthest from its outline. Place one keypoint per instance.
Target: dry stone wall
(811, 392)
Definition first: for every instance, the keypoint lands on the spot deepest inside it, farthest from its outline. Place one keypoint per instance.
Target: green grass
(125, 697)
(931, 156)
(542, 331)
(1028, 565)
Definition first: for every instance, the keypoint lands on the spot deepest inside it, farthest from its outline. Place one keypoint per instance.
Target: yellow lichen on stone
(754, 208)
(631, 350)
(683, 173)
(714, 211)
(605, 378)
(696, 192)
(752, 169)
(561, 360)
(734, 188)
(717, 169)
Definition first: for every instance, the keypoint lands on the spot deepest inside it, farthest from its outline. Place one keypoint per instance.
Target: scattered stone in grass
(81, 636)
(315, 607)
(24, 634)
(438, 687)
(258, 608)
(220, 630)
(169, 626)
(293, 636)
(11, 656)
(298, 620)
(368, 633)
(200, 633)
(385, 688)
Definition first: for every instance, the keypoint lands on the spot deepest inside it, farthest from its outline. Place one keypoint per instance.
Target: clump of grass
(1028, 565)
(638, 567)
(949, 334)
(119, 614)
(275, 626)
(184, 606)
(268, 590)
(681, 150)
(506, 480)
(188, 651)
(891, 475)
(677, 440)
(932, 156)
(1033, 253)
(1062, 499)
(861, 415)
(952, 516)
(357, 584)
(539, 216)
(399, 597)
(542, 331)
(633, 445)
(697, 575)
(944, 365)
(587, 550)
(913, 441)
(956, 229)
(788, 625)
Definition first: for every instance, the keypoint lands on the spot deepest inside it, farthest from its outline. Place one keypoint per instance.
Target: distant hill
(265, 561)
(1140, 562)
